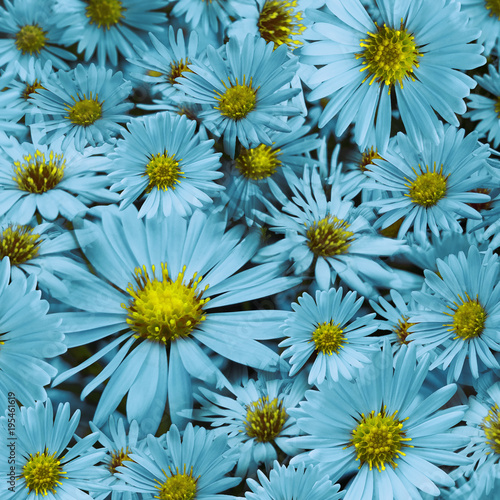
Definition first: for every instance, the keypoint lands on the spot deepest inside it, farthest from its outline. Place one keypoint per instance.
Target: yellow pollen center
(105, 13)
(428, 187)
(497, 106)
(178, 486)
(367, 159)
(389, 55)
(177, 68)
(279, 21)
(163, 171)
(19, 244)
(117, 459)
(491, 427)
(42, 473)
(468, 319)
(265, 419)
(329, 236)
(37, 174)
(237, 100)
(31, 89)
(258, 163)
(494, 7)
(30, 39)
(378, 440)
(84, 112)
(402, 329)
(328, 338)
(163, 311)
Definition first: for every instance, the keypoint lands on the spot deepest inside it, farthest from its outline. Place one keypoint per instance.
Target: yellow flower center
(178, 486)
(279, 22)
(237, 100)
(491, 427)
(468, 319)
(367, 159)
(389, 55)
(497, 106)
(378, 439)
(84, 112)
(104, 13)
(163, 311)
(494, 7)
(329, 236)
(38, 174)
(265, 419)
(328, 338)
(117, 459)
(163, 171)
(258, 163)
(19, 244)
(31, 39)
(31, 89)
(42, 473)
(402, 329)
(428, 187)
(177, 68)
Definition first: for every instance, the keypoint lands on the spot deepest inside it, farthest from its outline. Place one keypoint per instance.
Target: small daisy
(108, 27)
(165, 163)
(29, 30)
(247, 92)
(485, 15)
(323, 328)
(85, 104)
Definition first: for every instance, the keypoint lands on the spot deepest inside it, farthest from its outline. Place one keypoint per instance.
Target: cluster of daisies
(249, 249)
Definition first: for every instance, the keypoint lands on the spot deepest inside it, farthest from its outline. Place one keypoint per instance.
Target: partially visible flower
(194, 466)
(45, 466)
(84, 105)
(485, 15)
(323, 329)
(108, 27)
(162, 161)
(256, 419)
(247, 91)
(292, 483)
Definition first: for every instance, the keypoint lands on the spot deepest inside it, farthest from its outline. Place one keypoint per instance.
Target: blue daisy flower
(85, 104)
(194, 466)
(382, 431)
(160, 293)
(431, 185)
(30, 30)
(362, 62)
(485, 15)
(328, 235)
(461, 316)
(108, 27)
(255, 419)
(50, 180)
(44, 463)
(28, 337)
(291, 483)
(486, 110)
(247, 92)
(165, 163)
(323, 328)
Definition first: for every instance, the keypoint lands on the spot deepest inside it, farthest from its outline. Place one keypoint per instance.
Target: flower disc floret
(163, 171)
(163, 311)
(389, 55)
(31, 89)
(42, 473)
(238, 100)
(468, 319)
(117, 459)
(258, 163)
(329, 236)
(31, 39)
(494, 7)
(84, 112)
(278, 22)
(178, 486)
(19, 244)
(491, 427)
(37, 174)
(264, 419)
(428, 187)
(378, 439)
(328, 338)
(402, 329)
(367, 158)
(176, 70)
(497, 106)
(104, 13)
